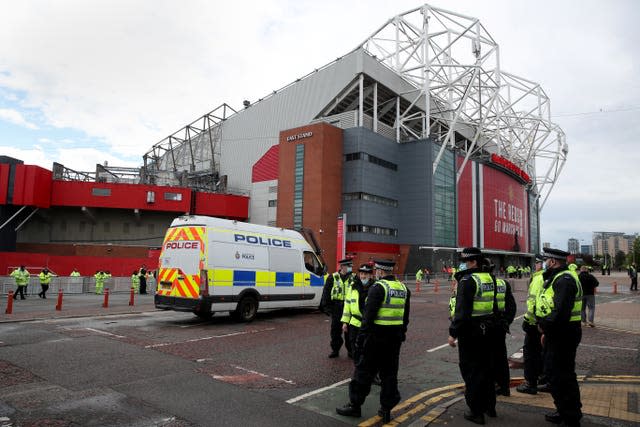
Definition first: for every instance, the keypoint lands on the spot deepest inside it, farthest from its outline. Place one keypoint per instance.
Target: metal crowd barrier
(72, 285)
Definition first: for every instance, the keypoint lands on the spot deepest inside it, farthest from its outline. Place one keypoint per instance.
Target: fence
(72, 285)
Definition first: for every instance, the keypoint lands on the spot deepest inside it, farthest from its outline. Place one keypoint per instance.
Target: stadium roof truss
(454, 65)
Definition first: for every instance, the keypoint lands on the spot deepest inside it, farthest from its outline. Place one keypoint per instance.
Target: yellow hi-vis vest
(483, 297)
(391, 312)
(544, 301)
(45, 279)
(351, 313)
(534, 289)
(452, 305)
(340, 288)
(21, 276)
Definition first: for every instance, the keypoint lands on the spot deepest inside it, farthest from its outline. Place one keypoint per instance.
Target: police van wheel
(247, 309)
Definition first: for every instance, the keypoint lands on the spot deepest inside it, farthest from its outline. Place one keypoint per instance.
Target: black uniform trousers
(337, 337)
(352, 334)
(19, 290)
(378, 353)
(561, 355)
(45, 288)
(499, 357)
(532, 351)
(476, 368)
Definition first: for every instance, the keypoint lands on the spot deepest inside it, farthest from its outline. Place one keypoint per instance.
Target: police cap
(347, 262)
(384, 264)
(469, 254)
(539, 258)
(365, 268)
(555, 254)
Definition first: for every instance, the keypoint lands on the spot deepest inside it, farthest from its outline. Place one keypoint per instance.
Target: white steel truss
(454, 65)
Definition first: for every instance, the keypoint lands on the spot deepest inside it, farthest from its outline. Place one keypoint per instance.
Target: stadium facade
(410, 146)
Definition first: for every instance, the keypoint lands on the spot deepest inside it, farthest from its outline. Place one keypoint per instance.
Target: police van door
(181, 261)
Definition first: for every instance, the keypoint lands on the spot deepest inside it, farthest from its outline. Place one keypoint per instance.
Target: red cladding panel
(373, 247)
(465, 204)
(120, 196)
(506, 217)
(222, 205)
(4, 183)
(32, 186)
(266, 169)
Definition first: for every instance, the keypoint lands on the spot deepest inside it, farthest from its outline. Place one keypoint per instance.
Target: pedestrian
(143, 279)
(589, 284)
(558, 309)
(135, 281)
(419, 275)
(384, 327)
(504, 311)
(473, 319)
(532, 349)
(332, 303)
(45, 278)
(21, 276)
(100, 278)
(633, 273)
(74, 273)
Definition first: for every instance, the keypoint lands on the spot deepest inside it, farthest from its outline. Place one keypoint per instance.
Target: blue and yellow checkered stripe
(223, 277)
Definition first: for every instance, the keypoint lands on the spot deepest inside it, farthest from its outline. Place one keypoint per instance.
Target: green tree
(634, 256)
(620, 259)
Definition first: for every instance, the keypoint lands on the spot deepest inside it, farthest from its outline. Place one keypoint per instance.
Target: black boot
(349, 410)
(385, 414)
(526, 388)
(553, 417)
(474, 418)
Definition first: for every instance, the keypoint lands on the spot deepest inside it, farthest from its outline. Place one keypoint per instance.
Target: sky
(84, 82)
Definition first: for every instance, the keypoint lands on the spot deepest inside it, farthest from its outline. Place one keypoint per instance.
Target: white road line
(105, 333)
(606, 347)
(251, 371)
(320, 390)
(164, 344)
(431, 350)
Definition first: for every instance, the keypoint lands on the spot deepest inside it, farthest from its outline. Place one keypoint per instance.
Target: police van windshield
(182, 254)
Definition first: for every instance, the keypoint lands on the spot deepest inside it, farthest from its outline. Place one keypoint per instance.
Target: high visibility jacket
(340, 288)
(351, 314)
(135, 281)
(534, 289)
(45, 279)
(484, 295)
(544, 301)
(419, 275)
(74, 274)
(21, 276)
(391, 312)
(452, 305)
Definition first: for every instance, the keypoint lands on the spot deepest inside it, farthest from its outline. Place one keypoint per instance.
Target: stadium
(409, 147)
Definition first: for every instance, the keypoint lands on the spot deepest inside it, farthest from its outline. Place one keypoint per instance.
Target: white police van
(210, 265)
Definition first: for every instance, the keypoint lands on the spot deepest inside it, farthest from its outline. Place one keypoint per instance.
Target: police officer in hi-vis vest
(354, 305)
(384, 326)
(532, 349)
(332, 303)
(473, 326)
(558, 311)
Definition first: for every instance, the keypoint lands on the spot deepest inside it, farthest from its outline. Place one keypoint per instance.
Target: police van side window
(311, 263)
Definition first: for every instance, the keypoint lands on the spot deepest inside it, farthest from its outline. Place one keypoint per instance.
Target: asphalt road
(160, 368)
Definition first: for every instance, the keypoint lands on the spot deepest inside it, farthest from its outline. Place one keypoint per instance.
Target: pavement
(608, 400)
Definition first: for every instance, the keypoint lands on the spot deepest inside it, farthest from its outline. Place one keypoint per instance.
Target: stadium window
(273, 189)
(102, 192)
(273, 203)
(177, 197)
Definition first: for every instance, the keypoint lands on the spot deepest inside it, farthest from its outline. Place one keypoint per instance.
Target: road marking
(431, 350)
(320, 390)
(608, 347)
(105, 333)
(626, 331)
(233, 334)
(251, 371)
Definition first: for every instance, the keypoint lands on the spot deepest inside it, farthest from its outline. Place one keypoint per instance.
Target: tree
(634, 256)
(619, 259)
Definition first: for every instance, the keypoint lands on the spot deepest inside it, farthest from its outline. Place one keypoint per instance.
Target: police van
(210, 265)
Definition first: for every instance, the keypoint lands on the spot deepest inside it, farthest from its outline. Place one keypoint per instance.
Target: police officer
(532, 348)
(332, 303)
(21, 276)
(45, 278)
(354, 305)
(505, 311)
(558, 309)
(474, 317)
(384, 327)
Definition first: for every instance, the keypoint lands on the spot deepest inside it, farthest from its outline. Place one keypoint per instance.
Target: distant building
(573, 246)
(586, 249)
(605, 242)
(546, 245)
